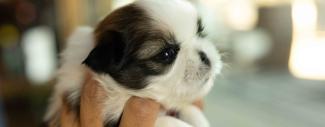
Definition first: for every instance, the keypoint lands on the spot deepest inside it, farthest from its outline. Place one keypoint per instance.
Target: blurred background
(274, 53)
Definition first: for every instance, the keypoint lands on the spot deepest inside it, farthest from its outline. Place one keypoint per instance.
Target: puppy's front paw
(194, 116)
(167, 121)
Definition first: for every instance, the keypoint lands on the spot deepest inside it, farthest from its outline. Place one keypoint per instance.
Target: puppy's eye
(200, 29)
(168, 55)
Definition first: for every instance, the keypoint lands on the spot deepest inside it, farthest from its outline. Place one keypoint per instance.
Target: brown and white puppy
(152, 49)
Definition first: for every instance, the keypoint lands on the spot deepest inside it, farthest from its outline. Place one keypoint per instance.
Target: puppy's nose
(204, 58)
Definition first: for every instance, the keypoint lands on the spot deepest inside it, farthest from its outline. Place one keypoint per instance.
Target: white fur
(71, 73)
(193, 116)
(177, 89)
(166, 121)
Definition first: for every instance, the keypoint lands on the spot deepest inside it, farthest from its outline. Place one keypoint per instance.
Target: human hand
(138, 112)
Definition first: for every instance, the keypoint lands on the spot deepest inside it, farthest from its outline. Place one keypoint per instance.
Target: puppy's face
(155, 49)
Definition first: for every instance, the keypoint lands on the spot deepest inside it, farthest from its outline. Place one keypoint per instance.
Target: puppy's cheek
(133, 77)
(137, 76)
(155, 69)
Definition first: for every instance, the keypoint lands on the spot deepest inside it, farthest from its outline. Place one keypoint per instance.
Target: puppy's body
(151, 49)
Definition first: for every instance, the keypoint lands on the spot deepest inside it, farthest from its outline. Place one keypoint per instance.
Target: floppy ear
(106, 57)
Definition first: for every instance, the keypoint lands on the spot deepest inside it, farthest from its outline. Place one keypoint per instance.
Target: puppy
(152, 49)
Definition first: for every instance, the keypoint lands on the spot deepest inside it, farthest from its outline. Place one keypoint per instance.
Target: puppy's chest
(113, 110)
(114, 105)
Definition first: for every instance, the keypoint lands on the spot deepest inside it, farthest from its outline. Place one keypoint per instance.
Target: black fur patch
(107, 55)
(121, 39)
(200, 28)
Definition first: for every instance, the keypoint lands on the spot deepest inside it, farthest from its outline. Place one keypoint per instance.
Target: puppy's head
(156, 49)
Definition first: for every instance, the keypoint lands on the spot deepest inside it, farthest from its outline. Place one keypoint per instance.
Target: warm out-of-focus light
(119, 3)
(304, 15)
(241, 14)
(308, 48)
(39, 50)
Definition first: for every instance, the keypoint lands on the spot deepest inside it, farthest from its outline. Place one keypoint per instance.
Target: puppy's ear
(106, 57)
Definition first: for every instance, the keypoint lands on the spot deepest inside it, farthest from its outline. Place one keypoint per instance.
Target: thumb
(139, 112)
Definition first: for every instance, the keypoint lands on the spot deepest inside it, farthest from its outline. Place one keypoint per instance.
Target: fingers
(68, 117)
(139, 112)
(90, 104)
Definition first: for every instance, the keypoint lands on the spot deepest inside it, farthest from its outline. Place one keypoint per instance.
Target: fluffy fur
(124, 52)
